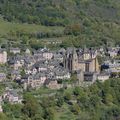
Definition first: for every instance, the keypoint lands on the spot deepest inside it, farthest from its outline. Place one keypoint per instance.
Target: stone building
(34, 81)
(3, 57)
(81, 60)
(14, 50)
(84, 61)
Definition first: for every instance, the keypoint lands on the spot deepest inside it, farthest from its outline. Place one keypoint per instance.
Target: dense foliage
(100, 101)
(86, 22)
(59, 12)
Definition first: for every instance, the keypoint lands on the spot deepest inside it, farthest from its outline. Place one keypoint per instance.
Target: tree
(108, 98)
(12, 110)
(77, 91)
(48, 102)
(74, 77)
(72, 29)
(22, 73)
(30, 105)
(95, 101)
(49, 114)
(67, 96)
(60, 101)
(75, 109)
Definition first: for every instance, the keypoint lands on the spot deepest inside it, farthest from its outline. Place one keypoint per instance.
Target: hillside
(25, 27)
(59, 12)
(101, 101)
(89, 22)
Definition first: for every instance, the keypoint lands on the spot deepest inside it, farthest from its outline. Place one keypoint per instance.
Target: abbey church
(82, 61)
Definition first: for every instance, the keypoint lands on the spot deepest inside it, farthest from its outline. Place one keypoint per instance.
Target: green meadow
(6, 27)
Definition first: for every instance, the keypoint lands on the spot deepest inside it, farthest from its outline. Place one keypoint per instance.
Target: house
(58, 57)
(14, 50)
(1, 110)
(102, 77)
(113, 66)
(29, 60)
(40, 66)
(3, 56)
(62, 51)
(15, 74)
(2, 77)
(113, 53)
(18, 64)
(12, 96)
(54, 85)
(16, 61)
(1, 99)
(53, 64)
(34, 71)
(47, 55)
(62, 75)
(35, 81)
(27, 51)
(43, 54)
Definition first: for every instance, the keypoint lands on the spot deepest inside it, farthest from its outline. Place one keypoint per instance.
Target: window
(87, 67)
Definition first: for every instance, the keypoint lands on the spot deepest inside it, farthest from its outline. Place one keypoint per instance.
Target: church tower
(97, 68)
(74, 61)
(65, 62)
(68, 62)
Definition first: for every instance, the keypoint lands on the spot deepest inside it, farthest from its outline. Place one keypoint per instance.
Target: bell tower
(74, 61)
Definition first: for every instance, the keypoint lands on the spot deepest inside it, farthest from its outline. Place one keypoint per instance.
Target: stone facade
(3, 57)
(84, 62)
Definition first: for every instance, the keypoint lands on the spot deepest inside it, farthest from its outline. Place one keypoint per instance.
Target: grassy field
(6, 27)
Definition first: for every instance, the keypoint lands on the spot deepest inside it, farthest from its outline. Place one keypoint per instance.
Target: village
(55, 69)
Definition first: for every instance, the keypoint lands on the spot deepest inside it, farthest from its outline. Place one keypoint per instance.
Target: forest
(60, 12)
(100, 101)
